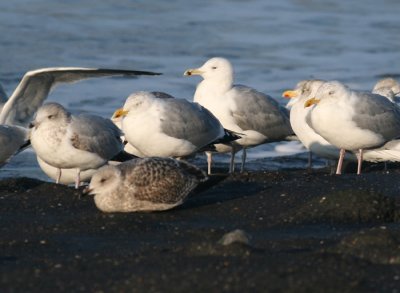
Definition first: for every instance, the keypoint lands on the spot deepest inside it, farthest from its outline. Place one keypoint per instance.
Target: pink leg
(340, 162)
(360, 159)
(58, 175)
(78, 179)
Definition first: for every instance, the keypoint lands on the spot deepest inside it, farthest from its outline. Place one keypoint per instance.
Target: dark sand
(309, 232)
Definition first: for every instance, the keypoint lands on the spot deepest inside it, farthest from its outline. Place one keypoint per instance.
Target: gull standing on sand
(307, 89)
(315, 143)
(258, 117)
(144, 184)
(30, 94)
(157, 124)
(352, 120)
(81, 142)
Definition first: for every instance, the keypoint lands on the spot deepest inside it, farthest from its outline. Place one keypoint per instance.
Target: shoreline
(307, 232)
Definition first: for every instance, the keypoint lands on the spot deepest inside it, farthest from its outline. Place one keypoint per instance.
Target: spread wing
(36, 85)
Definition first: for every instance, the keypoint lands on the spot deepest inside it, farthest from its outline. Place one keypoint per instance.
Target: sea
(272, 45)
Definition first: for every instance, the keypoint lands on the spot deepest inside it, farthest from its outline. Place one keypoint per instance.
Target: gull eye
(331, 93)
(50, 117)
(214, 67)
(102, 180)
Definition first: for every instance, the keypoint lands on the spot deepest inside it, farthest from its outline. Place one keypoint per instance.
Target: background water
(272, 44)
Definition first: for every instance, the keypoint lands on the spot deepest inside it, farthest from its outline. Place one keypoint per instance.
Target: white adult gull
(315, 143)
(240, 108)
(352, 120)
(81, 142)
(307, 89)
(157, 124)
(33, 89)
(144, 184)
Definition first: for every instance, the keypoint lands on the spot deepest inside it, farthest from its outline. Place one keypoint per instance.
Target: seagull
(352, 120)
(33, 89)
(389, 88)
(307, 89)
(81, 142)
(240, 108)
(315, 143)
(144, 184)
(157, 124)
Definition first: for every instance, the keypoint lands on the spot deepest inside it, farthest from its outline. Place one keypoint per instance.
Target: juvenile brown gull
(144, 184)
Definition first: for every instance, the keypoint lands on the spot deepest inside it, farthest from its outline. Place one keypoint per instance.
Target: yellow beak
(310, 102)
(119, 113)
(193, 72)
(290, 94)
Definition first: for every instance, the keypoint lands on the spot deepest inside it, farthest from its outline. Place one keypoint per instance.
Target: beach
(304, 231)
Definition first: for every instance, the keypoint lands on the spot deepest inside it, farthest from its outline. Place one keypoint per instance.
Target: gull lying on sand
(144, 184)
(239, 108)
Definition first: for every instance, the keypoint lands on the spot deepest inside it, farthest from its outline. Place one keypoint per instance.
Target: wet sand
(307, 232)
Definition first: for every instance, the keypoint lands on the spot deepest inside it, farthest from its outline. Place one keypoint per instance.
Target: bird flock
(136, 160)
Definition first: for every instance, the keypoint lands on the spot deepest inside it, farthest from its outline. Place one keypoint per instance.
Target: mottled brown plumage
(145, 184)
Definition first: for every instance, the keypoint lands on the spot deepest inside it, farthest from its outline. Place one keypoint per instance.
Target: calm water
(272, 47)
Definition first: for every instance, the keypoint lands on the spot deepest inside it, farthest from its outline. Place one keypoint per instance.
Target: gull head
(138, 101)
(216, 68)
(386, 84)
(50, 113)
(332, 90)
(104, 181)
(305, 89)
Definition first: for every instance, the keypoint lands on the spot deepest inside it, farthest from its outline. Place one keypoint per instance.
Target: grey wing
(96, 134)
(160, 180)
(257, 111)
(377, 114)
(190, 121)
(36, 85)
